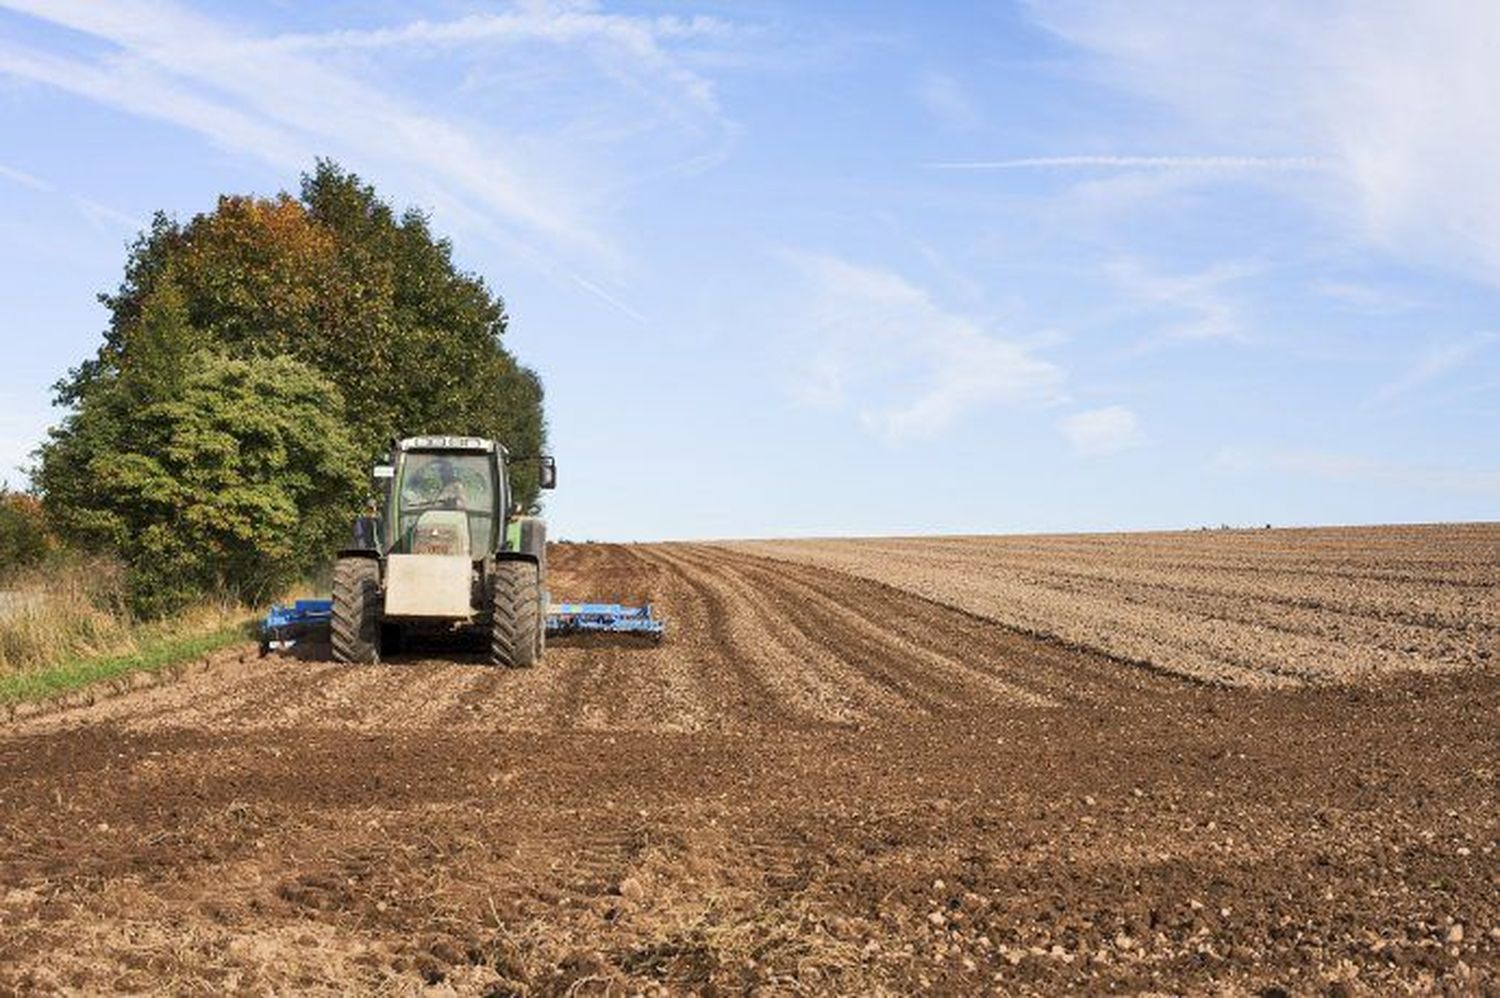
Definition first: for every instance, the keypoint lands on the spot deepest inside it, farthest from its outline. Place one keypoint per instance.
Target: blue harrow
(308, 620)
(284, 626)
(603, 618)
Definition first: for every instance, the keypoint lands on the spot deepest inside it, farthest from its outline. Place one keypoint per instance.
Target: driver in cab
(437, 485)
(451, 493)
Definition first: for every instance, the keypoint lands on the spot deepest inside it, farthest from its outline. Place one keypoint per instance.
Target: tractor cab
(446, 499)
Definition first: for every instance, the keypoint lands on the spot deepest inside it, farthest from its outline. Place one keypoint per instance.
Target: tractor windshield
(442, 497)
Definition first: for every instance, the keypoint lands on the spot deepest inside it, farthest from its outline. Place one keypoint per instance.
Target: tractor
(446, 552)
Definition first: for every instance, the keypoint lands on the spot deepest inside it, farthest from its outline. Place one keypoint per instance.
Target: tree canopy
(257, 358)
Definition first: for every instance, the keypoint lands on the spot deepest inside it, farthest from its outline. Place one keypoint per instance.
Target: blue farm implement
(309, 620)
(603, 618)
(284, 626)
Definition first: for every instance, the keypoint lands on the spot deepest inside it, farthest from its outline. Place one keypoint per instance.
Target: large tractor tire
(355, 628)
(517, 618)
(542, 599)
(533, 541)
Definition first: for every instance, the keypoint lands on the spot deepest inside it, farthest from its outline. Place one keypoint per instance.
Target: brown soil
(1230, 607)
(817, 783)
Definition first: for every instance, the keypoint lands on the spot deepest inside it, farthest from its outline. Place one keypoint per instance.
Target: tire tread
(516, 615)
(354, 630)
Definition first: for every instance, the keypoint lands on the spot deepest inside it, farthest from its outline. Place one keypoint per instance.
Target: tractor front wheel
(355, 628)
(516, 622)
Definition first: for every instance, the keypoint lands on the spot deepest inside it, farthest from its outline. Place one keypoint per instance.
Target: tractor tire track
(1030, 671)
(853, 646)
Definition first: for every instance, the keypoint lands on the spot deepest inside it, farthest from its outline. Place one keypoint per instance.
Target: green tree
(181, 451)
(235, 482)
(372, 300)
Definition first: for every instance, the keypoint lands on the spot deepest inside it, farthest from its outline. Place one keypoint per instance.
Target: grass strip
(153, 655)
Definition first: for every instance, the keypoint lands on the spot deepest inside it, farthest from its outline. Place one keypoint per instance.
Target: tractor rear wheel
(516, 619)
(542, 599)
(355, 628)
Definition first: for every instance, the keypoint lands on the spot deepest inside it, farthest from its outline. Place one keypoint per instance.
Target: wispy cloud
(287, 99)
(883, 347)
(1364, 297)
(641, 39)
(1097, 432)
(103, 215)
(1432, 364)
(25, 179)
(96, 212)
(1195, 306)
(947, 101)
(599, 292)
(1278, 163)
(1397, 99)
(536, 21)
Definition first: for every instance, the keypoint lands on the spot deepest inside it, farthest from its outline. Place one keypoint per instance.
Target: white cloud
(1367, 298)
(1097, 432)
(96, 212)
(1433, 364)
(947, 101)
(108, 219)
(544, 180)
(1200, 306)
(883, 347)
(1396, 98)
(24, 179)
(640, 39)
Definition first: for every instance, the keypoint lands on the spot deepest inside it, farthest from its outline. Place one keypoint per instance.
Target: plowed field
(1240, 607)
(819, 782)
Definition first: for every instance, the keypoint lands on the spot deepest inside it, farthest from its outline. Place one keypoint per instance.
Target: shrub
(230, 482)
(24, 540)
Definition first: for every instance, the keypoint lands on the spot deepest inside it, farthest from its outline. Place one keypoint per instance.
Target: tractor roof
(440, 442)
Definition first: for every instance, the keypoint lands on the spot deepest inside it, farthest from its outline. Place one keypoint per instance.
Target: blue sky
(852, 268)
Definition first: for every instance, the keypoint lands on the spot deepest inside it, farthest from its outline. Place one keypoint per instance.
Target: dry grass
(74, 609)
(66, 608)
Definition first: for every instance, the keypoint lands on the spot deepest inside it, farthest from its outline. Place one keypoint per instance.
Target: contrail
(608, 298)
(25, 179)
(1146, 162)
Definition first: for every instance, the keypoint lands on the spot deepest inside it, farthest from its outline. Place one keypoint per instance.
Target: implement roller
(603, 618)
(308, 620)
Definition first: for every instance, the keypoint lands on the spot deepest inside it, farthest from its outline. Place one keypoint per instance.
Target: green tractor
(447, 554)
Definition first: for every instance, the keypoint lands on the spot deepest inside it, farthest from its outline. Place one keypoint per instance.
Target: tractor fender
(527, 535)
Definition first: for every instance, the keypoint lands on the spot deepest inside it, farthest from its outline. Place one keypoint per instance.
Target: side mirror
(547, 478)
(383, 471)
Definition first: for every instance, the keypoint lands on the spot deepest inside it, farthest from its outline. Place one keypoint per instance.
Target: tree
(235, 482)
(182, 451)
(373, 301)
